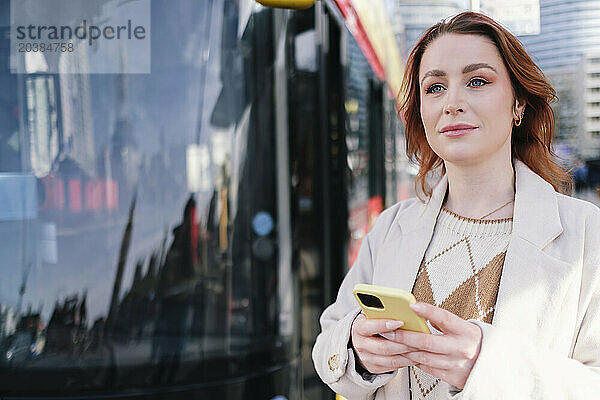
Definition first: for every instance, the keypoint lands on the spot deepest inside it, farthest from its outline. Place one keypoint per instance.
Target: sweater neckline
(473, 227)
(477, 220)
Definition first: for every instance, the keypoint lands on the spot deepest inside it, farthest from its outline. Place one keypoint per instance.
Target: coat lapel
(533, 283)
(405, 245)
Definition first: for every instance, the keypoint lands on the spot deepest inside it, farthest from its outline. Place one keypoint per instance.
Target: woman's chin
(460, 156)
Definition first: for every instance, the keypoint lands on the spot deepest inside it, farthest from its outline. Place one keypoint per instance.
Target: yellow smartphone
(389, 303)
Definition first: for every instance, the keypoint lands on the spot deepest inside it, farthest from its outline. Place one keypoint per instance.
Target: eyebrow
(467, 69)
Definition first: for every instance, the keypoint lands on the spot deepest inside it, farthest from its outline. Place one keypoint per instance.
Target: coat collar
(536, 222)
(536, 217)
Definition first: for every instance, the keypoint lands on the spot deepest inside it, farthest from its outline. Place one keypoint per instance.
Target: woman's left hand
(449, 357)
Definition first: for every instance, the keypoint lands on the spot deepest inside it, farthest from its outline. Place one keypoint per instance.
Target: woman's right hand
(375, 353)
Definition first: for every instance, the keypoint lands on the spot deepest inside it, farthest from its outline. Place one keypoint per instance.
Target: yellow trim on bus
(294, 4)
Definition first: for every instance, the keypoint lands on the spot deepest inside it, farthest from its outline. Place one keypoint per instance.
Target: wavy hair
(531, 142)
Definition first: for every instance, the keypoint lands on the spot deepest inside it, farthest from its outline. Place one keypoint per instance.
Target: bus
(175, 233)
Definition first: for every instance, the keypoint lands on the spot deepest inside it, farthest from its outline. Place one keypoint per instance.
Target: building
(589, 119)
(566, 49)
(420, 15)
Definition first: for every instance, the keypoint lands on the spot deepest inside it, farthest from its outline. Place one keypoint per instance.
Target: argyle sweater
(460, 272)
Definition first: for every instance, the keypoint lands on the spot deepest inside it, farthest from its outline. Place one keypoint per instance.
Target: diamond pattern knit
(460, 273)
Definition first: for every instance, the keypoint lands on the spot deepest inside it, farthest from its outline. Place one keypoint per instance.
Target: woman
(504, 264)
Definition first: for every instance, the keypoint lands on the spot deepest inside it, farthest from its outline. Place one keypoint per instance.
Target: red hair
(531, 142)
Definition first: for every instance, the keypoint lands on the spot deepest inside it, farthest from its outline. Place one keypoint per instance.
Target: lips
(457, 129)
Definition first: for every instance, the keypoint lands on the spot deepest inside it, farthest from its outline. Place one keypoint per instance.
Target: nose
(453, 109)
(454, 102)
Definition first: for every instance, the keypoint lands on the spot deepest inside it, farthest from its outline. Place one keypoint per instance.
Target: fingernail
(393, 324)
(416, 307)
(387, 335)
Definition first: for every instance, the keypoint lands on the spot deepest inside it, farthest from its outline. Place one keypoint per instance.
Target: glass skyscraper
(568, 51)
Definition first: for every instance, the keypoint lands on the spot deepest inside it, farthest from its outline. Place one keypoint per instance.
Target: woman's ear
(519, 108)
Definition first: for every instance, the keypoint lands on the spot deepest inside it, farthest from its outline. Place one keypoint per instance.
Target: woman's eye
(478, 82)
(432, 88)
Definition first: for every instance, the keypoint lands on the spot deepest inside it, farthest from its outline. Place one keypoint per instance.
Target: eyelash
(429, 89)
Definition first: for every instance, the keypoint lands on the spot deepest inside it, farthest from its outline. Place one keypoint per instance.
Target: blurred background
(177, 234)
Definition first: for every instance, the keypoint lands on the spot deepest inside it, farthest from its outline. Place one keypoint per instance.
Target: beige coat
(544, 342)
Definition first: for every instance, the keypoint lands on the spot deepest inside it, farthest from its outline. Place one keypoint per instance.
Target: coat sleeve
(511, 367)
(334, 359)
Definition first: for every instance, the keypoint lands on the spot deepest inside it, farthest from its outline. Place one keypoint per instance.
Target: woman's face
(467, 102)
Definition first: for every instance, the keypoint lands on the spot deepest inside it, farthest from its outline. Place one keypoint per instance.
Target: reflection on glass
(126, 237)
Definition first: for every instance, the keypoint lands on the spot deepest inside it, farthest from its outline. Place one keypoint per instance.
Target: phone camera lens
(370, 301)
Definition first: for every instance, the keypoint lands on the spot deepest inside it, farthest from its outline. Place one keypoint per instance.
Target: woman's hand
(376, 354)
(449, 357)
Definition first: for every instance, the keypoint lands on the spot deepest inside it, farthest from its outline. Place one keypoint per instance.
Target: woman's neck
(476, 190)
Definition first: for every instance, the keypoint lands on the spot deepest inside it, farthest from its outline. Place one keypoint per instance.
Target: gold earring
(520, 119)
